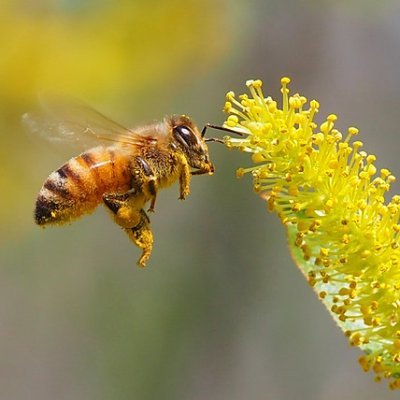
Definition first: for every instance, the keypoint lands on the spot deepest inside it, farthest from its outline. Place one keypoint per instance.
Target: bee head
(187, 137)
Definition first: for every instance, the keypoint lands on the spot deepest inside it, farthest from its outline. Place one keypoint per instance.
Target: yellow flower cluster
(330, 196)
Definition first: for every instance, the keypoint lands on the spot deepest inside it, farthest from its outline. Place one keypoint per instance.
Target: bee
(123, 169)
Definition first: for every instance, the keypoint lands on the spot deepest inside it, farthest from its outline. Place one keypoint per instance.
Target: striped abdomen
(78, 186)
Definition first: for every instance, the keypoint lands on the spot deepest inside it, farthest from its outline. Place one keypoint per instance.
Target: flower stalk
(328, 193)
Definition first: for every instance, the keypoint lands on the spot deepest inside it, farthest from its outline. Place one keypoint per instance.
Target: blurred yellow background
(221, 312)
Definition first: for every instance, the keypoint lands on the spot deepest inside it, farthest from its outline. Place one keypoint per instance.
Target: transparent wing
(65, 120)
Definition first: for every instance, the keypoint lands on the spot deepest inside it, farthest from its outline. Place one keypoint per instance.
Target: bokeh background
(221, 312)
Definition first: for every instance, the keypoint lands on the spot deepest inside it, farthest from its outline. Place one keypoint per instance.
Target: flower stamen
(329, 195)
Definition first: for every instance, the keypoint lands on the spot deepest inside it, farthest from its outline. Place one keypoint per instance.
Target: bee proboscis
(123, 170)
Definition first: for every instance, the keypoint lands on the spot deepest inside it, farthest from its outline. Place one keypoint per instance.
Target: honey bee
(123, 170)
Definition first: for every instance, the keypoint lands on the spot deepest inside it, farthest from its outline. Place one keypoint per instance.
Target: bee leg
(152, 188)
(142, 236)
(122, 206)
(132, 219)
(148, 180)
(184, 180)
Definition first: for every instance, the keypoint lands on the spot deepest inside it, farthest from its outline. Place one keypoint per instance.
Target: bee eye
(184, 135)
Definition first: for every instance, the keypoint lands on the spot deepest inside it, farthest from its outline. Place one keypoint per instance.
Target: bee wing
(75, 122)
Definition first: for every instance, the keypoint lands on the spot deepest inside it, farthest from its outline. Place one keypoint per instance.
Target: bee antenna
(213, 139)
(221, 128)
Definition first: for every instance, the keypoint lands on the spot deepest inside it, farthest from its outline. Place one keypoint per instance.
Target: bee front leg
(184, 180)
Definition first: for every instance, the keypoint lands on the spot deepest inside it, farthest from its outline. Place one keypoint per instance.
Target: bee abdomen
(78, 186)
(54, 196)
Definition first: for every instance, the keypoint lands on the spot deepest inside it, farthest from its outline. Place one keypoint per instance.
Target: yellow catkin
(331, 197)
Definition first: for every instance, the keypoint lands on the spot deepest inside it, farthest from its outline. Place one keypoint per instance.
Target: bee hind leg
(142, 236)
(123, 208)
(133, 220)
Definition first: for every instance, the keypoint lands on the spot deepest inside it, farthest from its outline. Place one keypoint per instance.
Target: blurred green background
(221, 312)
